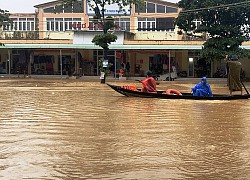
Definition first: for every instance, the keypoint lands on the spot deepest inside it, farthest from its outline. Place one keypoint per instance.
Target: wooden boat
(160, 94)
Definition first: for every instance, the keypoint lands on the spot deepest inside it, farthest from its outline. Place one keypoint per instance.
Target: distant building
(36, 43)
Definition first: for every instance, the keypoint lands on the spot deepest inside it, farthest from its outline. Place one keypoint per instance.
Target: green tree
(4, 19)
(106, 22)
(226, 22)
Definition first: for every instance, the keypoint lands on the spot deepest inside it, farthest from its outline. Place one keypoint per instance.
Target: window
(52, 26)
(94, 25)
(122, 24)
(48, 24)
(15, 26)
(67, 8)
(49, 10)
(24, 26)
(67, 23)
(21, 24)
(140, 9)
(164, 24)
(150, 8)
(75, 7)
(56, 26)
(139, 28)
(78, 7)
(63, 24)
(197, 23)
(32, 26)
(160, 9)
(155, 8)
(28, 26)
(61, 28)
(172, 10)
(59, 24)
(146, 24)
(76, 19)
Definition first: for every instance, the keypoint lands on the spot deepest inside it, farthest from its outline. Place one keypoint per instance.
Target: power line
(216, 7)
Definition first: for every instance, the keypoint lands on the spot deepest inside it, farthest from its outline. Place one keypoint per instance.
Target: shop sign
(105, 63)
(91, 26)
(112, 9)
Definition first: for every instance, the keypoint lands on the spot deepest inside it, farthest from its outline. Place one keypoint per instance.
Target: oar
(244, 87)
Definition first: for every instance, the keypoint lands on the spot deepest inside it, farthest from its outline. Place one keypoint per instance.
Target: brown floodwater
(76, 129)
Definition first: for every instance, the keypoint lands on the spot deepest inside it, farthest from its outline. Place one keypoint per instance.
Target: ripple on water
(62, 130)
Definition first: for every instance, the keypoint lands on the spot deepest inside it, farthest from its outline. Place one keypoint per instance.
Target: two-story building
(46, 42)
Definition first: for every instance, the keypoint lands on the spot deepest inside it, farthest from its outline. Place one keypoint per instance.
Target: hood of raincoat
(204, 79)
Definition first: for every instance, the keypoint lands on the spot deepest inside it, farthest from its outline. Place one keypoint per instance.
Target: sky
(27, 6)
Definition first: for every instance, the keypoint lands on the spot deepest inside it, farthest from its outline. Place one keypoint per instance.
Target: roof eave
(46, 4)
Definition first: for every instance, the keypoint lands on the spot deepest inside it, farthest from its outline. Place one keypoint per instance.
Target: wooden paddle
(244, 87)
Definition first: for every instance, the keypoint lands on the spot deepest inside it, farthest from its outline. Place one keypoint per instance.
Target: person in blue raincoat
(202, 88)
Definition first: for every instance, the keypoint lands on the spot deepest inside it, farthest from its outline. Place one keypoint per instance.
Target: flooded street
(75, 129)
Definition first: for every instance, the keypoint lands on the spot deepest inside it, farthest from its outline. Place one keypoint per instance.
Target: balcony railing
(19, 35)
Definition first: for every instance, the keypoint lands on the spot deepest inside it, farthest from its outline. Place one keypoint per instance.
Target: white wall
(86, 37)
(168, 35)
(245, 66)
(58, 35)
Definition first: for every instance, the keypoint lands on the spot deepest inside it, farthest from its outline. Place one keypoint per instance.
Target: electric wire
(224, 6)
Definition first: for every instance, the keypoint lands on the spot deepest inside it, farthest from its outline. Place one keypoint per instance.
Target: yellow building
(147, 39)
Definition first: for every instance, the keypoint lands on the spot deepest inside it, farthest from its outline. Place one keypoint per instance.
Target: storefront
(80, 59)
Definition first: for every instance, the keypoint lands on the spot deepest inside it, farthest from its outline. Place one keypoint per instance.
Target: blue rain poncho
(202, 89)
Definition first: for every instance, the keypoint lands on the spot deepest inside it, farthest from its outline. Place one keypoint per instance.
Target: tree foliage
(4, 16)
(103, 40)
(226, 22)
(4, 19)
(106, 22)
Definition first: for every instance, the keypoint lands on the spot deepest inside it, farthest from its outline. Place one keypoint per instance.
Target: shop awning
(90, 46)
(112, 46)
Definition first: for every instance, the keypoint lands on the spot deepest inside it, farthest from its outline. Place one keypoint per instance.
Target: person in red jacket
(149, 84)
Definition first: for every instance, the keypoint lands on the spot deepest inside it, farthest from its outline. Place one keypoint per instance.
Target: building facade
(52, 43)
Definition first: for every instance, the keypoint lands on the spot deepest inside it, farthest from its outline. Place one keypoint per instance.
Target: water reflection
(53, 129)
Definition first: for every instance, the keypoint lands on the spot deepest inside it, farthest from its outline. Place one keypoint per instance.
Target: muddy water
(62, 129)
